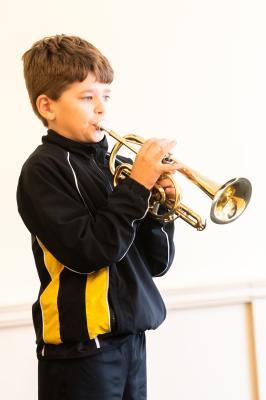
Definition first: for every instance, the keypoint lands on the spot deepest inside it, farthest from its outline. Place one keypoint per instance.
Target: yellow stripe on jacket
(48, 299)
(97, 309)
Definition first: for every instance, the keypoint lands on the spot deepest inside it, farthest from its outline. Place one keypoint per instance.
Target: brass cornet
(228, 200)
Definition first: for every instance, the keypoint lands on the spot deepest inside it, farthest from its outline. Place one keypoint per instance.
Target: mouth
(98, 126)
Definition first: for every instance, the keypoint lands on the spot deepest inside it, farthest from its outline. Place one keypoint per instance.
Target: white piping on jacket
(97, 342)
(137, 219)
(168, 253)
(166, 235)
(77, 186)
(75, 178)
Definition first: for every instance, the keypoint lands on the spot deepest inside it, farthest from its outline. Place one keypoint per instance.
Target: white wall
(194, 70)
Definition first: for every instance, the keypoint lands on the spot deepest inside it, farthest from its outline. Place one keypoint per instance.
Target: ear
(45, 107)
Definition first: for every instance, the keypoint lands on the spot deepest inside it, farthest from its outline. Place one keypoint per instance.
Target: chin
(97, 136)
(92, 135)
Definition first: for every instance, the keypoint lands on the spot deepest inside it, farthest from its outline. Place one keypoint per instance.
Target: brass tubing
(228, 200)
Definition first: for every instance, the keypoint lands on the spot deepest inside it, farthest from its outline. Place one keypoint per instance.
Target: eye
(88, 98)
(106, 98)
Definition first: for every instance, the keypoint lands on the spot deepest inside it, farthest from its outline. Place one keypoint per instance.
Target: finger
(163, 147)
(156, 149)
(149, 148)
(169, 168)
(170, 192)
(146, 145)
(165, 182)
(177, 166)
(157, 143)
(168, 145)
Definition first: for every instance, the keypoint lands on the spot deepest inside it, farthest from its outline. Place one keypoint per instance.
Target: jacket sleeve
(54, 213)
(155, 238)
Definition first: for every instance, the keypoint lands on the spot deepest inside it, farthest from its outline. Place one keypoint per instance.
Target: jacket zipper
(113, 320)
(101, 173)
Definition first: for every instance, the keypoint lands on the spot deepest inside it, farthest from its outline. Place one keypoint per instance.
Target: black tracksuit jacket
(95, 246)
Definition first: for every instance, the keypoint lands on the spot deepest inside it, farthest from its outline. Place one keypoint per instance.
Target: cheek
(84, 110)
(78, 115)
(84, 117)
(66, 113)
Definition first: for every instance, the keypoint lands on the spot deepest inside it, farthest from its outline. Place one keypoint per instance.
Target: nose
(99, 107)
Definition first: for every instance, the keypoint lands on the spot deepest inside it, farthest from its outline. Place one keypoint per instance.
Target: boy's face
(81, 106)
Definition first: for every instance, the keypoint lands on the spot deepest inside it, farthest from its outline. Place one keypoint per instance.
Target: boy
(96, 248)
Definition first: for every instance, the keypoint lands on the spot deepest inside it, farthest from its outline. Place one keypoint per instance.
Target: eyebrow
(107, 90)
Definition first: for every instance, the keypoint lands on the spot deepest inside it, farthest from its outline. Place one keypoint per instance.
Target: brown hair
(55, 62)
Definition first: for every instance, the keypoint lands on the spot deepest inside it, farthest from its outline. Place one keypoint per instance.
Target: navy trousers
(117, 374)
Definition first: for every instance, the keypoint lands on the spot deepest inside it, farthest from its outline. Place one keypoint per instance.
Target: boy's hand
(168, 187)
(148, 167)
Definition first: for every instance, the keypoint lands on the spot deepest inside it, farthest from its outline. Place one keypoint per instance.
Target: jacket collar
(83, 148)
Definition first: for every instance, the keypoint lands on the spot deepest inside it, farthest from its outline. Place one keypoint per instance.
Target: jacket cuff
(137, 188)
